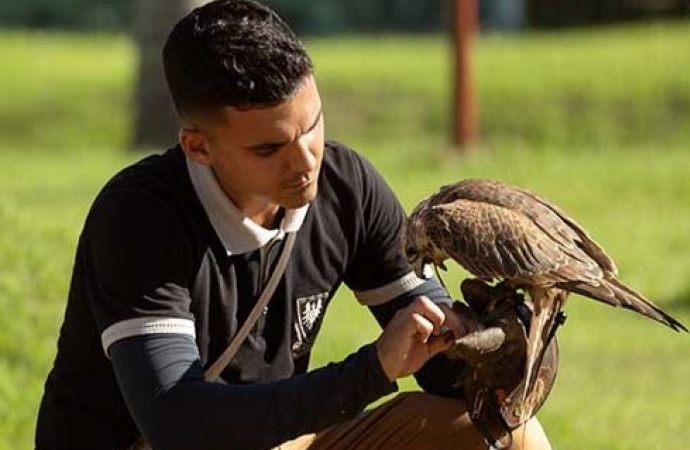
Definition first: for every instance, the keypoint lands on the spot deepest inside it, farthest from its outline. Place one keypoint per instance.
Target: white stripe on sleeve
(145, 325)
(378, 296)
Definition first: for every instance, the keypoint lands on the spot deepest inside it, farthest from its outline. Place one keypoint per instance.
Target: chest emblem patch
(307, 319)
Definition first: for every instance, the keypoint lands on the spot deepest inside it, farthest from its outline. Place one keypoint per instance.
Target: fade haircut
(235, 53)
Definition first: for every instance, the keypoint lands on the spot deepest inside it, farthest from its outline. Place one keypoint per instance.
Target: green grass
(61, 91)
(595, 120)
(586, 88)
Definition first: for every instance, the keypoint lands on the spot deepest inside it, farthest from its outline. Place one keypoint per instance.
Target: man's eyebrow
(316, 120)
(266, 145)
(276, 144)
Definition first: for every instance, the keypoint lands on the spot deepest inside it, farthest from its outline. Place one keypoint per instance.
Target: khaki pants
(414, 421)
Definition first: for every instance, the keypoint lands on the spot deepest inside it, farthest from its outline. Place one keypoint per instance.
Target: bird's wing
(550, 218)
(590, 246)
(492, 241)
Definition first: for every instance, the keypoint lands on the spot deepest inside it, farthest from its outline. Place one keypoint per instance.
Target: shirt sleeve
(136, 267)
(162, 382)
(378, 271)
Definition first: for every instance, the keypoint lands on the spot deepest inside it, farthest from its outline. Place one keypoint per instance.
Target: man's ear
(195, 145)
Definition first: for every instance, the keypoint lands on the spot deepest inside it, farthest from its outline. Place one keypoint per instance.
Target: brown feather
(503, 232)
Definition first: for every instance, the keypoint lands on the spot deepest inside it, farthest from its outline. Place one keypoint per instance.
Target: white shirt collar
(238, 233)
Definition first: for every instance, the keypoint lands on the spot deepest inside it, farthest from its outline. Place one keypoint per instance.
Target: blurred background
(587, 103)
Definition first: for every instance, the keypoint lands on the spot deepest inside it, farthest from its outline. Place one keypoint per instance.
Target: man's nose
(302, 158)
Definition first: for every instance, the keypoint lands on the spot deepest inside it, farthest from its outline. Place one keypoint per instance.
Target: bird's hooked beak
(420, 253)
(438, 275)
(426, 267)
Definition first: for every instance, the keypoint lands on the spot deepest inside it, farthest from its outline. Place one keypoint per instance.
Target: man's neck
(269, 218)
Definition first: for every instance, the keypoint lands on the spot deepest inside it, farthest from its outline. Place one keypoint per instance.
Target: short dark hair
(236, 53)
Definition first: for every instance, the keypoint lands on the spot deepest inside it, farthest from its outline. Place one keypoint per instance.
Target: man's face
(264, 158)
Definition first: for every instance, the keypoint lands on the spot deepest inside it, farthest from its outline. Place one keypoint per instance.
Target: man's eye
(266, 150)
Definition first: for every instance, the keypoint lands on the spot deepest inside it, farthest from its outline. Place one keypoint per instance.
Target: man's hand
(417, 333)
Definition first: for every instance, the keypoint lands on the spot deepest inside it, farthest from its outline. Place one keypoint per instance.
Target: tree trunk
(155, 120)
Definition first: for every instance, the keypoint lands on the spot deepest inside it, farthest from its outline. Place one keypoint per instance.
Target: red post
(465, 105)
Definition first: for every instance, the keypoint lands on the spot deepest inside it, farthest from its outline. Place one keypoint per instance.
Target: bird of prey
(504, 233)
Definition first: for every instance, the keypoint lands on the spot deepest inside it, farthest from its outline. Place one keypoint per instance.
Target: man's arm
(162, 381)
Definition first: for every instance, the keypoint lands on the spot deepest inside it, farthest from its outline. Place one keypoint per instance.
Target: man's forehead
(303, 105)
(299, 110)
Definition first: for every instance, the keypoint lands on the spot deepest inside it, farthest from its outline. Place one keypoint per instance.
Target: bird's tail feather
(616, 293)
(545, 308)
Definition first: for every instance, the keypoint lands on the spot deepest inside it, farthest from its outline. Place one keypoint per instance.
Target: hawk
(506, 234)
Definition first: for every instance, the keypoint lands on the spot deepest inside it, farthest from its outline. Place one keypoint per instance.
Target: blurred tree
(565, 13)
(409, 15)
(337, 16)
(71, 14)
(502, 14)
(310, 17)
(155, 121)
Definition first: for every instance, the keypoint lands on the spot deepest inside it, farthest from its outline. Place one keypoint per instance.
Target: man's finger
(460, 319)
(431, 311)
(423, 326)
(440, 344)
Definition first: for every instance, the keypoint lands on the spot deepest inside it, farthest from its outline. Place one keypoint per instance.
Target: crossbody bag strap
(213, 372)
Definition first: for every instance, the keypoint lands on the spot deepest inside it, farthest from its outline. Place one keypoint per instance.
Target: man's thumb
(441, 343)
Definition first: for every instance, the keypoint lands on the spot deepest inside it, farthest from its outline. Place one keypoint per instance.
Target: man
(176, 249)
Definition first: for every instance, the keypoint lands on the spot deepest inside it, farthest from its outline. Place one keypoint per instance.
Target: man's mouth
(302, 182)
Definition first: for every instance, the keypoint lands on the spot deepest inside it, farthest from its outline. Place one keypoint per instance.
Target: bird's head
(419, 249)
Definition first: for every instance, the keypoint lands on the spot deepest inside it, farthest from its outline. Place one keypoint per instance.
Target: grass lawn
(595, 120)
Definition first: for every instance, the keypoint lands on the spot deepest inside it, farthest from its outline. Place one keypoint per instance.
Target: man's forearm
(162, 382)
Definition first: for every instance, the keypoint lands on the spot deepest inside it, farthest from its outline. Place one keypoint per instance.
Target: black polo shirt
(164, 251)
